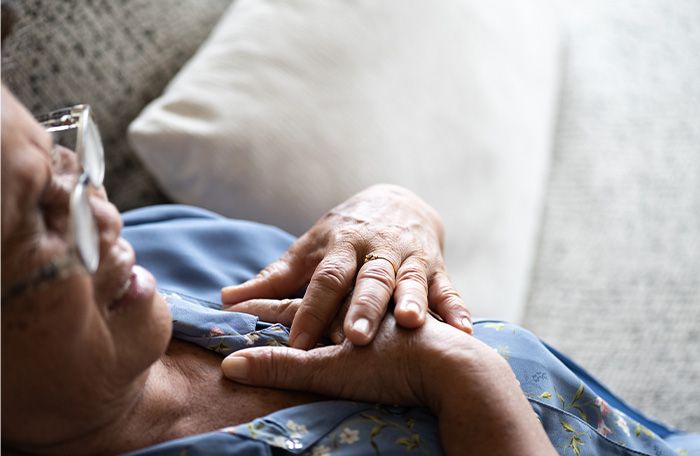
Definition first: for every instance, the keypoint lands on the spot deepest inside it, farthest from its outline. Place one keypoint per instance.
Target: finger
(333, 371)
(411, 294)
(445, 300)
(328, 286)
(272, 310)
(283, 367)
(373, 289)
(279, 279)
(335, 332)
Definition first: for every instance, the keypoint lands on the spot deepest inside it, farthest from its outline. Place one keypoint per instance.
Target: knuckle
(447, 294)
(264, 367)
(313, 315)
(331, 276)
(278, 375)
(413, 273)
(273, 369)
(455, 304)
(370, 304)
(266, 272)
(450, 296)
(271, 269)
(283, 305)
(286, 306)
(380, 273)
(347, 234)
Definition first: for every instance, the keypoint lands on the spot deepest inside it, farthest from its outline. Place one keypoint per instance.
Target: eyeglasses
(85, 249)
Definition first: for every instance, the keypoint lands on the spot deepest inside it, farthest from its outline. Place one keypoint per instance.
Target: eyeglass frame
(78, 116)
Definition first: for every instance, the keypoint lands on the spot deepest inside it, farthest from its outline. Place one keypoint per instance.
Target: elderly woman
(97, 360)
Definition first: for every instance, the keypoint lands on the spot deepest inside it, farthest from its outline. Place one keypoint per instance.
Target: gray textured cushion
(115, 56)
(617, 283)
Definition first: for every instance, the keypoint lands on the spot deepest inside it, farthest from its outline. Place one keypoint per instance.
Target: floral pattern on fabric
(350, 428)
(220, 331)
(585, 418)
(579, 415)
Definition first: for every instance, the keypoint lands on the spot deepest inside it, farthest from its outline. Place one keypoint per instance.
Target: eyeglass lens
(93, 152)
(84, 226)
(75, 129)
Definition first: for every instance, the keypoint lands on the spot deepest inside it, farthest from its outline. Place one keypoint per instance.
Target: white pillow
(291, 107)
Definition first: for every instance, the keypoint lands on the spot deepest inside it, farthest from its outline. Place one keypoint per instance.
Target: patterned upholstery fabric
(116, 56)
(617, 282)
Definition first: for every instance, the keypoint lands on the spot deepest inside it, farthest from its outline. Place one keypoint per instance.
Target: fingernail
(361, 326)
(412, 307)
(302, 341)
(235, 367)
(467, 324)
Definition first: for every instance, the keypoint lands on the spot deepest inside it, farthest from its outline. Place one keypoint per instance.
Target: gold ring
(371, 257)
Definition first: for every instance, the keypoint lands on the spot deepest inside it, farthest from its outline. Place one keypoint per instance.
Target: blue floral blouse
(193, 253)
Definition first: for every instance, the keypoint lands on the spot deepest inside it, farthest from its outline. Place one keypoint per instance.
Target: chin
(161, 326)
(142, 324)
(165, 320)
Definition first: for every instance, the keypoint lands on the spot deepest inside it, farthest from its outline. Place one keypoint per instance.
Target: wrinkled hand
(396, 368)
(468, 385)
(386, 243)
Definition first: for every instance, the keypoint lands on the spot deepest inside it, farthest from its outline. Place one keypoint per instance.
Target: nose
(66, 165)
(108, 220)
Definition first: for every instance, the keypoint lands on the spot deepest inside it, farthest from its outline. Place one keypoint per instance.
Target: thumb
(284, 367)
(278, 280)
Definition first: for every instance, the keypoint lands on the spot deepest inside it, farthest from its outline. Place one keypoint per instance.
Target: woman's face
(76, 350)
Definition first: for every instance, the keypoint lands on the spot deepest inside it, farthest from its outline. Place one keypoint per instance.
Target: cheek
(56, 354)
(61, 307)
(62, 351)
(62, 325)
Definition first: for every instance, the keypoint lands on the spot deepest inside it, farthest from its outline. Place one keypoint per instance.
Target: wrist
(480, 406)
(454, 362)
(469, 369)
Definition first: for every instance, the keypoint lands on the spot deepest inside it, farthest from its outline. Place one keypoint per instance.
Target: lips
(124, 288)
(141, 287)
(127, 282)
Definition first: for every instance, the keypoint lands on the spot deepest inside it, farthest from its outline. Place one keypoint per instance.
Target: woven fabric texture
(116, 56)
(617, 281)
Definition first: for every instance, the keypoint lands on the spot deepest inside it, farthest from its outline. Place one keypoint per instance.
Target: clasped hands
(382, 243)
